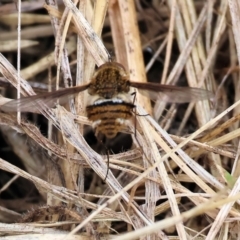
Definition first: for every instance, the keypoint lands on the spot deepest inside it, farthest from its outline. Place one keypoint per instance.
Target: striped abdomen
(108, 116)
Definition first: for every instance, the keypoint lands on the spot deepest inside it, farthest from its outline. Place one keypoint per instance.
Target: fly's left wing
(27, 104)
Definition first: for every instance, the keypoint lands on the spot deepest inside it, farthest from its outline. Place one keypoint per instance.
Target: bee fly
(109, 104)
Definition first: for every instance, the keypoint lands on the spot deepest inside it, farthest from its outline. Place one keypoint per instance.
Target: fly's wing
(32, 103)
(170, 93)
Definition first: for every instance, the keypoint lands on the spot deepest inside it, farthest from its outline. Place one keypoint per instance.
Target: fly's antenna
(110, 58)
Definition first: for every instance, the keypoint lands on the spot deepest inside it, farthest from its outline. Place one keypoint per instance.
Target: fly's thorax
(109, 80)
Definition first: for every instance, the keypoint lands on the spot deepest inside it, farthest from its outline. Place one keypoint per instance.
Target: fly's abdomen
(108, 116)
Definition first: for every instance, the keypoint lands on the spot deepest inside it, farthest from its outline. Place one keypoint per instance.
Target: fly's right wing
(170, 93)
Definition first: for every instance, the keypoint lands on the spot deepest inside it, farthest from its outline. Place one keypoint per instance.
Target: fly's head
(109, 80)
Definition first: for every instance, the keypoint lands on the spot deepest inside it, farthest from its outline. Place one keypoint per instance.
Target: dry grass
(171, 187)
